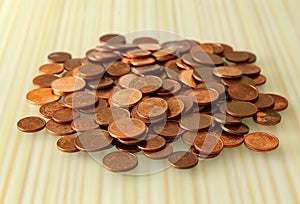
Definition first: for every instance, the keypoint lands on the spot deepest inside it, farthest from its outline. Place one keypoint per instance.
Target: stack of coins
(144, 95)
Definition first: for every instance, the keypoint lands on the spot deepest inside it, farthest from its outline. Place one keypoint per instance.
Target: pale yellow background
(34, 171)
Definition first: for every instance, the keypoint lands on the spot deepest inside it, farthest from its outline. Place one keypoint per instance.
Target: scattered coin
(68, 84)
(48, 109)
(126, 97)
(242, 92)
(208, 143)
(182, 160)
(51, 69)
(83, 124)
(264, 101)
(146, 84)
(228, 72)
(161, 154)
(267, 117)
(261, 141)
(118, 69)
(195, 121)
(237, 56)
(106, 116)
(44, 80)
(231, 141)
(152, 108)
(67, 144)
(280, 103)
(241, 129)
(59, 57)
(41, 96)
(153, 144)
(65, 115)
(59, 128)
(31, 124)
(241, 109)
(120, 161)
(80, 99)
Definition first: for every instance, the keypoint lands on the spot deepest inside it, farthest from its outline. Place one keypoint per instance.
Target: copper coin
(280, 103)
(146, 120)
(172, 70)
(250, 70)
(59, 57)
(242, 80)
(59, 128)
(227, 119)
(237, 56)
(125, 80)
(213, 85)
(188, 103)
(242, 92)
(241, 109)
(188, 59)
(44, 80)
(84, 124)
(68, 84)
(182, 160)
(164, 53)
(67, 73)
(207, 59)
(108, 115)
(100, 56)
(241, 129)
(179, 46)
(203, 96)
(127, 128)
(142, 40)
(119, 46)
(226, 49)
(252, 57)
(186, 77)
(205, 74)
(189, 137)
(126, 97)
(118, 69)
(91, 71)
(31, 124)
(102, 104)
(195, 121)
(112, 38)
(259, 80)
(168, 129)
(231, 141)
(264, 101)
(261, 141)
(161, 154)
(202, 155)
(67, 144)
(48, 109)
(202, 48)
(65, 115)
(120, 161)
(217, 48)
(137, 53)
(41, 96)
(152, 107)
(149, 46)
(208, 143)
(146, 84)
(103, 83)
(106, 93)
(229, 72)
(71, 64)
(93, 140)
(181, 64)
(138, 62)
(127, 148)
(133, 141)
(80, 99)
(153, 144)
(175, 106)
(267, 117)
(146, 70)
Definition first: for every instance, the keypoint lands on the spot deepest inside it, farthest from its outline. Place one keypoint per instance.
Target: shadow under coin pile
(145, 95)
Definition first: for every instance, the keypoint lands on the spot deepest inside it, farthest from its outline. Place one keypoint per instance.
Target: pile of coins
(144, 95)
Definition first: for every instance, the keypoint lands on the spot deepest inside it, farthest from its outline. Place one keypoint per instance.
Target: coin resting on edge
(31, 124)
(120, 161)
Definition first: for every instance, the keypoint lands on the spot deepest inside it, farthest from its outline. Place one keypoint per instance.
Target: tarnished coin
(237, 56)
(59, 57)
(208, 143)
(59, 128)
(51, 69)
(41, 96)
(31, 124)
(67, 144)
(68, 84)
(127, 128)
(261, 141)
(93, 140)
(241, 129)
(264, 101)
(126, 97)
(231, 141)
(152, 107)
(161, 154)
(280, 103)
(241, 109)
(229, 72)
(127, 148)
(182, 160)
(203, 96)
(44, 80)
(146, 84)
(108, 115)
(259, 80)
(48, 109)
(267, 117)
(242, 92)
(80, 99)
(195, 121)
(118, 69)
(153, 144)
(84, 124)
(120, 161)
(65, 115)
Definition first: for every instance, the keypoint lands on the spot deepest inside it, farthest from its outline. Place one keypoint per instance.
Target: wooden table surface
(34, 171)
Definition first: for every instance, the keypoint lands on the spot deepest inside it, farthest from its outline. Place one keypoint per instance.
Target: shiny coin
(68, 84)
(203, 96)
(228, 72)
(208, 143)
(195, 121)
(31, 124)
(105, 117)
(59, 128)
(182, 160)
(41, 96)
(152, 107)
(261, 141)
(48, 109)
(118, 69)
(59, 57)
(127, 128)
(83, 124)
(241, 109)
(67, 144)
(65, 115)
(80, 99)
(44, 80)
(51, 69)
(280, 103)
(242, 92)
(161, 154)
(153, 144)
(126, 97)
(146, 84)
